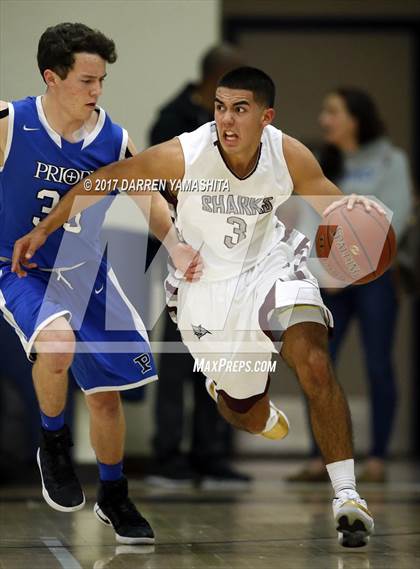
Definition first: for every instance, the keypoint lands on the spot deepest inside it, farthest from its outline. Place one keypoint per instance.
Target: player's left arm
(310, 183)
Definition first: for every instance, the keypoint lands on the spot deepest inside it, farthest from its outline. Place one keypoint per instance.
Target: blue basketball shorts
(112, 346)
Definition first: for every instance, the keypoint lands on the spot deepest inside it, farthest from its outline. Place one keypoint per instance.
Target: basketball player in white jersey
(249, 286)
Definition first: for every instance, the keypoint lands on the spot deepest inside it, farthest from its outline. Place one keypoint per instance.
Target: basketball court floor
(271, 525)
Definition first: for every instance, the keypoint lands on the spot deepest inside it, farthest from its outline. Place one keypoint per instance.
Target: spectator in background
(211, 444)
(361, 160)
(193, 106)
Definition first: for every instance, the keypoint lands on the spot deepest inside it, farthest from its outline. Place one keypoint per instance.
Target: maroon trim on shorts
(302, 246)
(267, 306)
(172, 289)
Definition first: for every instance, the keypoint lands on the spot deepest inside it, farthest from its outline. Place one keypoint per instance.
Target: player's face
(337, 123)
(239, 120)
(79, 92)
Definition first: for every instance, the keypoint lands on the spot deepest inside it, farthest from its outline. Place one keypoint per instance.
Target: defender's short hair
(251, 79)
(58, 45)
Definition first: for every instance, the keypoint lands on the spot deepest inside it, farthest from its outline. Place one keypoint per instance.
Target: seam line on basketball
(373, 270)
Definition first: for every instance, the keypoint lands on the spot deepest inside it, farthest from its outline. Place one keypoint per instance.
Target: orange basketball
(355, 246)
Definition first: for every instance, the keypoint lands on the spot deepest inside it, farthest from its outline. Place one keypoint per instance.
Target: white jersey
(230, 220)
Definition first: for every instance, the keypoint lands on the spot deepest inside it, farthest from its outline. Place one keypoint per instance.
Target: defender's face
(337, 123)
(240, 120)
(79, 92)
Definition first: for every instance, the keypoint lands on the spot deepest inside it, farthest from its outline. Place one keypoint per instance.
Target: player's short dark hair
(251, 79)
(59, 44)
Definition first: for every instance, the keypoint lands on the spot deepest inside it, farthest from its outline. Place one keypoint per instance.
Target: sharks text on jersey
(236, 204)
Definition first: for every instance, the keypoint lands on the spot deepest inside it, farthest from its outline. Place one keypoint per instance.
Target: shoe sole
(354, 525)
(49, 500)
(100, 516)
(352, 534)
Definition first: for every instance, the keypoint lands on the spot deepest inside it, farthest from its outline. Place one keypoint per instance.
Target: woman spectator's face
(338, 125)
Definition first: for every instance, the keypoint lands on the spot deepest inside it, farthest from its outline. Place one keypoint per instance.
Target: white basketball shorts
(225, 324)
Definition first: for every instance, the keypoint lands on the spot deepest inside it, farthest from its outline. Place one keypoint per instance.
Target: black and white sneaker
(114, 508)
(60, 486)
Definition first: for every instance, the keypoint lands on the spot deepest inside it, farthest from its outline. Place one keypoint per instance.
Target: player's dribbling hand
(24, 250)
(351, 201)
(188, 262)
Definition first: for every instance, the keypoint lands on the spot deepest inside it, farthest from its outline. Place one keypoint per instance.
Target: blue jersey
(40, 167)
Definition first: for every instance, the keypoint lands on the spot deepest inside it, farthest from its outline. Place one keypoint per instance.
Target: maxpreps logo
(59, 174)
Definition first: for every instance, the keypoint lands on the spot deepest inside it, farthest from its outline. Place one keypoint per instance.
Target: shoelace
(348, 495)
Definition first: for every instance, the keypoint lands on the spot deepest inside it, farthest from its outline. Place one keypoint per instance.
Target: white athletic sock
(211, 388)
(272, 419)
(342, 475)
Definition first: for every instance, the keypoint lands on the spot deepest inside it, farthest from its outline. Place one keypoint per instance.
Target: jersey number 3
(239, 230)
(52, 197)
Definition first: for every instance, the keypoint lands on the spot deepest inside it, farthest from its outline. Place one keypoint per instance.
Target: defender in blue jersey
(60, 310)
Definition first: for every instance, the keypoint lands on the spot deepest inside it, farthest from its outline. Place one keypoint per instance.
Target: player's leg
(114, 507)
(305, 350)
(229, 312)
(36, 312)
(107, 429)
(111, 319)
(54, 346)
(255, 414)
(341, 305)
(249, 414)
